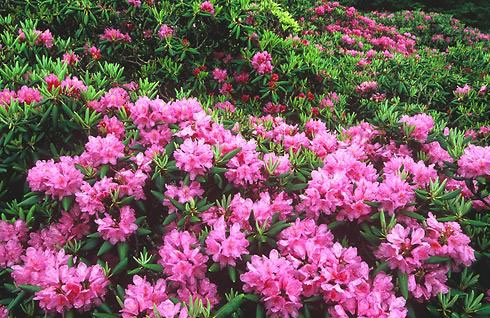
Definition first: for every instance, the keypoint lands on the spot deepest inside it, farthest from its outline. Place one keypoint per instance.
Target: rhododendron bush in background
(237, 159)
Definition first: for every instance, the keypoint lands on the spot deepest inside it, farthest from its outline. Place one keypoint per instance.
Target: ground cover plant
(242, 158)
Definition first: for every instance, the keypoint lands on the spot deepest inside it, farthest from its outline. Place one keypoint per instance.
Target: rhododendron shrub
(240, 158)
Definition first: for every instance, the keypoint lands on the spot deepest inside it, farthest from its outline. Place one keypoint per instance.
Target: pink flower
(229, 107)
(11, 238)
(462, 91)
(437, 154)
(394, 193)
(52, 81)
(90, 198)
(7, 96)
(131, 183)
(194, 157)
(80, 287)
(181, 258)
(225, 249)
(182, 194)
(165, 32)
(3, 312)
(219, 75)
(111, 125)
(474, 162)
(405, 250)
(115, 98)
(448, 240)
(56, 179)
(274, 279)
(135, 3)
(70, 58)
(71, 225)
(28, 95)
(422, 124)
(117, 232)
(207, 6)
(115, 35)
(45, 38)
(367, 87)
(141, 296)
(261, 62)
(95, 53)
(73, 86)
(102, 150)
(304, 236)
(428, 281)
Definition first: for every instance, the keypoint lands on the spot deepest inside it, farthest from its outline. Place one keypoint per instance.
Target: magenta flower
(3, 312)
(113, 231)
(405, 249)
(428, 281)
(28, 95)
(223, 248)
(55, 179)
(475, 162)
(447, 239)
(194, 157)
(274, 279)
(261, 62)
(220, 75)
(11, 238)
(422, 124)
(115, 35)
(165, 32)
(181, 258)
(207, 6)
(102, 150)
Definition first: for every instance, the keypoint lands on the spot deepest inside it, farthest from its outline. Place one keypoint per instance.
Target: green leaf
(29, 201)
(169, 219)
(278, 227)
(296, 187)
(66, 202)
(230, 307)
(214, 268)
(403, 281)
(104, 248)
(232, 273)
(230, 155)
(437, 259)
(154, 267)
(158, 195)
(259, 311)
(450, 195)
(30, 288)
(122, 249)
(120, 266)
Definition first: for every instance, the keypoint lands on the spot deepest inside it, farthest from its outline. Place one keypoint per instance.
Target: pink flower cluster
(63, 287)
(422, 124)
(408, 248)
(225, 249)
(115, 35)
(11, 238)
(262, 63)
(113, 231)
(185, 267)
(165, 32)
(194, 157)
(25, 95)
(207, 6)
(141, 297)
(71, 225)
(56, 179)
(474, 162)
